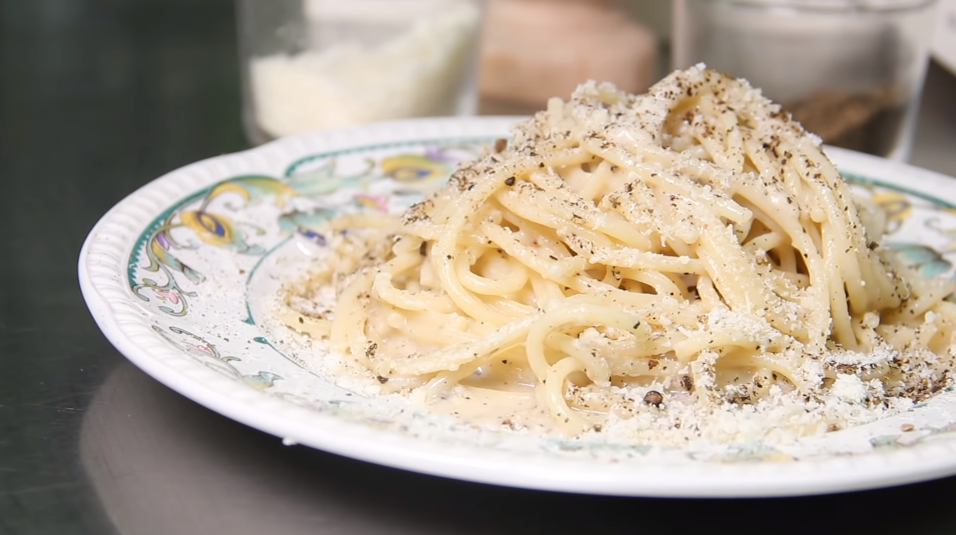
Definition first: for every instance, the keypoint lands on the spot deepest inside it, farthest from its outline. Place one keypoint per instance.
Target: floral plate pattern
(181, 277)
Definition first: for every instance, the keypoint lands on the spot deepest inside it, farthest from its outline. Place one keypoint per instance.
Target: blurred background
(98, 97)
(297, 65)
(851, 71)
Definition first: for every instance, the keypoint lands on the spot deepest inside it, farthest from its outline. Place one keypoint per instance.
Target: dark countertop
(98, 97)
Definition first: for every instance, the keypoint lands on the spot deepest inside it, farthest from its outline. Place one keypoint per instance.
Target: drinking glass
(313, 64)
(851, 71)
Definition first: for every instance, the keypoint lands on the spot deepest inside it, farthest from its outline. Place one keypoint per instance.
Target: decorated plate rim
(102, 270)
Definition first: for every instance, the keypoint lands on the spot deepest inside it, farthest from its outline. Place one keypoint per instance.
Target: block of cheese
(536, 49)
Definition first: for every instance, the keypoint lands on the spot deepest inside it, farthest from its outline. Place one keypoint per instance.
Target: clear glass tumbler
(313, 64)
(850, 70)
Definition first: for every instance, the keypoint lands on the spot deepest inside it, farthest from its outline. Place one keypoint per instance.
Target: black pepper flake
(653, 397)
(636, 325)
(423, 249)
(510, 181)
(501, 144)
(686, 383)
(382, 379)
(301, 320)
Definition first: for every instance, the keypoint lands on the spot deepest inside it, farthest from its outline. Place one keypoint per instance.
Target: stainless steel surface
(96, 98)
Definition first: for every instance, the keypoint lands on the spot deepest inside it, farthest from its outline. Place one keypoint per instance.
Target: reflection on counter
(163, 465)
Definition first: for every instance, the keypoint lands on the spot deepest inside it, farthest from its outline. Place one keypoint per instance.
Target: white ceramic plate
(180, 277)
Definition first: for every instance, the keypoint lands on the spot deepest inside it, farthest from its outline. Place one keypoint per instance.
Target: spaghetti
(626, 254)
